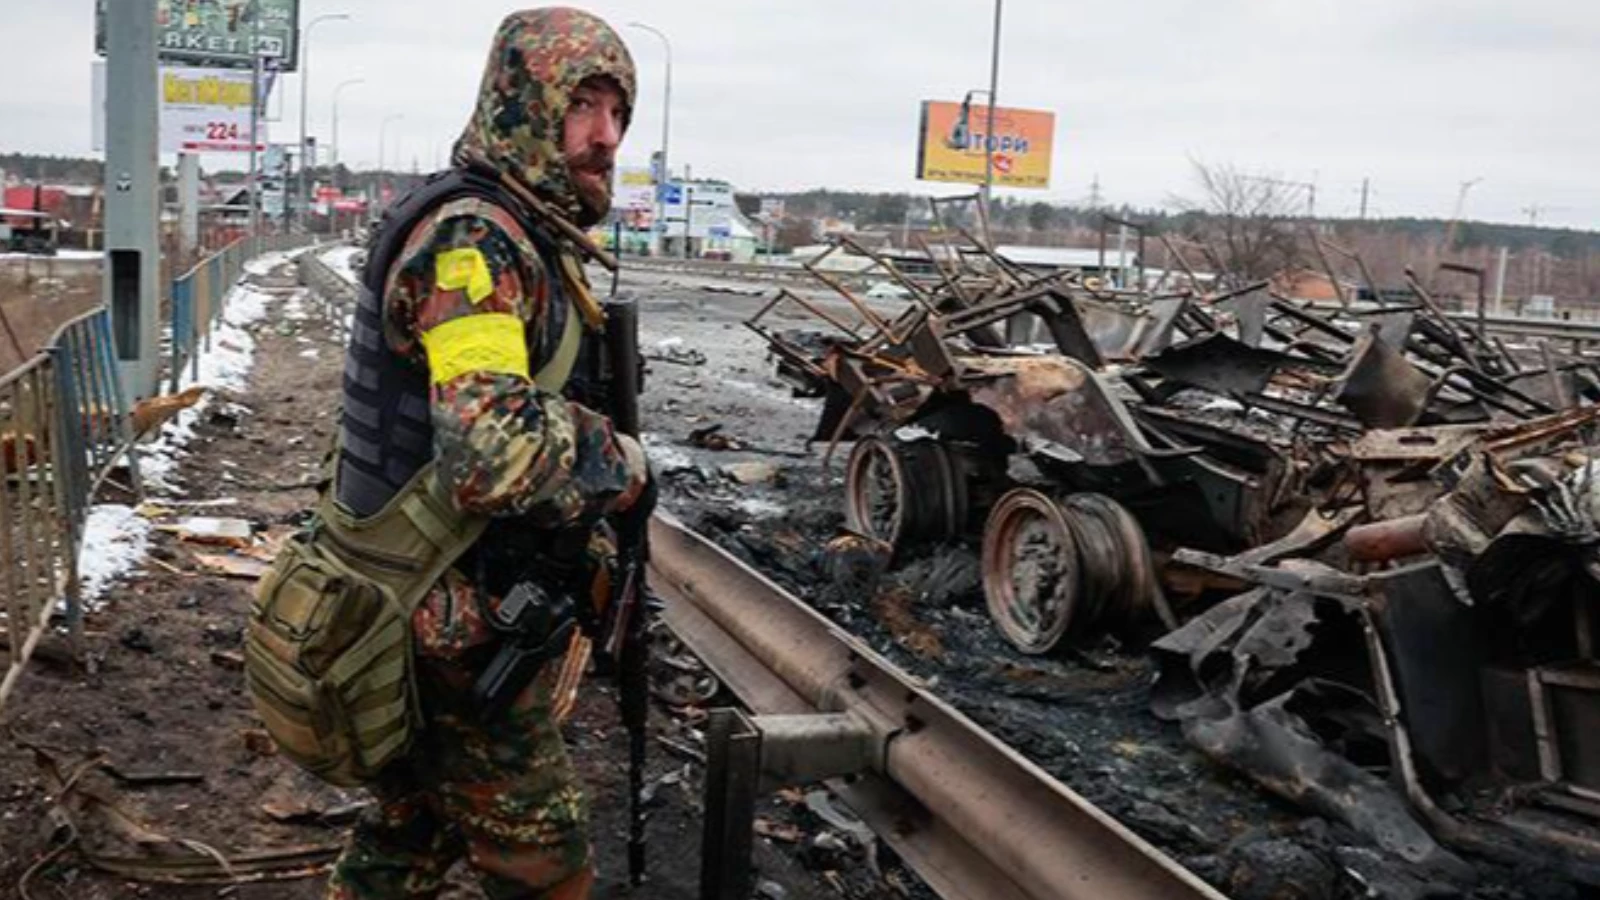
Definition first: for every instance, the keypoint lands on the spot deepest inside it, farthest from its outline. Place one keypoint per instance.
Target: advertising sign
(220, 33)
(634, 197)
(701, 208)
(202, 110)
(951, 143)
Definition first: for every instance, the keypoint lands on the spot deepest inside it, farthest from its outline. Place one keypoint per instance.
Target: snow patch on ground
(770, 394)
(225, 368)
(60, 256)
(758, 508)
(294, 309)
(1223, 405)
(663, 456)
(342, 260)
(115, 540)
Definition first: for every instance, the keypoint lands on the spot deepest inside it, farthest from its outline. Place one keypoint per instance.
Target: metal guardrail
(63, 426)
(1579, 333)
(336, 294)
(974, 818)
(198, 295)
(709, 268)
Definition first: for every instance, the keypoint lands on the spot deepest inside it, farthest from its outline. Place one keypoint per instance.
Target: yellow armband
(487, 342)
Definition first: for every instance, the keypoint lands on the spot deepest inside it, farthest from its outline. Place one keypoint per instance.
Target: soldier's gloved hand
(638, 474)
(632, 508)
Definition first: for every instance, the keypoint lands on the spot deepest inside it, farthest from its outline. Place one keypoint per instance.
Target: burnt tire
(1032, 579)
(903, 492)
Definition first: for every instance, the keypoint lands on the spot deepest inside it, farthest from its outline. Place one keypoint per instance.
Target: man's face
(595, 122)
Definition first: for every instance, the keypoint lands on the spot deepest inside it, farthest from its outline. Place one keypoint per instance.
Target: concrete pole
(1122, 256)
(189, 203)
(1500, 281)
(132, 191)
(336, 92)
(383, 134)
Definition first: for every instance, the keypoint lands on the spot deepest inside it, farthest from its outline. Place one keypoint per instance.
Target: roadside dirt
(162, 694)
(36, 297)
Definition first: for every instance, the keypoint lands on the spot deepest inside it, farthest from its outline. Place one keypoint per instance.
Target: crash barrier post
(63, 428)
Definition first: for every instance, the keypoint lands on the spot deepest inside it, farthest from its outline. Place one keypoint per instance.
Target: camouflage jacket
(469, 295)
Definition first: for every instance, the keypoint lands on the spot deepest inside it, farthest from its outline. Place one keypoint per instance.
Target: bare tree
(1249, 220)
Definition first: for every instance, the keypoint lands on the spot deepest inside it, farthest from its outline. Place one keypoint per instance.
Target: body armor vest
(386, 431)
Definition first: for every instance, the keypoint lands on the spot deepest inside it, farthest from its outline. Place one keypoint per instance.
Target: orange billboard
(950, 146)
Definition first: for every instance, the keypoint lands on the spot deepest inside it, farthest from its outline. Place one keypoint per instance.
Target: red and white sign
(202, 110)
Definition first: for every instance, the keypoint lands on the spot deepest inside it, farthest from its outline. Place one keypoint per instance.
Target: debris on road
(1367, 533)
(673, 350)
(236, 533)
(752, 473)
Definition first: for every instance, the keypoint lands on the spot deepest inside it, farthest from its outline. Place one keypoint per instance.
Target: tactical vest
(328, 655)
(386, 432)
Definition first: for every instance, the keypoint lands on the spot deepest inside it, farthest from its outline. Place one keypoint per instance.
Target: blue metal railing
(63, 428)
(198, 296)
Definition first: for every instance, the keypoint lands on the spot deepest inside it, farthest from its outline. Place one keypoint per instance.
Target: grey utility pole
(305, 89)
(383, 134)
(336, 92)
(256, 102)
(188, 204)
(132, 189)
(988, 128)
(666, 135)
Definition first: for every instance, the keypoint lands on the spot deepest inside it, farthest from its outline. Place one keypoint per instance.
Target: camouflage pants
(502, 793)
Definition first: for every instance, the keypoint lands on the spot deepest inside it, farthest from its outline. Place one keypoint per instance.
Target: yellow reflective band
(487, 342)
(464, 269)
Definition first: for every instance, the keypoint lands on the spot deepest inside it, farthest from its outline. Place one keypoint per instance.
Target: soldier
(475, 359)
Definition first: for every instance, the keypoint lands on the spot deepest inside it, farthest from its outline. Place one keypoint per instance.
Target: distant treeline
(1010, 214)
(892, 210)
(55, 169)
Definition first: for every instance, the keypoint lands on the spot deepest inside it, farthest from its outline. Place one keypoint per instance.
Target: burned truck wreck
(1359, 539)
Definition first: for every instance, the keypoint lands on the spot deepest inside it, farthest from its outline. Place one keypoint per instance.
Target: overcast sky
(1418, 95)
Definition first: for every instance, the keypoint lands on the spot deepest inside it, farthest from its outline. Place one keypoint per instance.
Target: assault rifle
(627, 641)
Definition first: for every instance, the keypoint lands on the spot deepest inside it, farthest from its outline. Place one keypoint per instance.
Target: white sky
(1418, 95)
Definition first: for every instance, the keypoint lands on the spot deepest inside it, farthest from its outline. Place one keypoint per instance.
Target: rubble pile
(1360, 538)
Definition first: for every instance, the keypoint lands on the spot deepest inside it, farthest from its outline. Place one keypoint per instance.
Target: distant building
(702, 213)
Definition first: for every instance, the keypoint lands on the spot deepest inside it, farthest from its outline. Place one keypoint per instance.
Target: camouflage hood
(539, 57)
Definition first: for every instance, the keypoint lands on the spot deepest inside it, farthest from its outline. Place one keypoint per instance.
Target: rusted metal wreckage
(1403, 510)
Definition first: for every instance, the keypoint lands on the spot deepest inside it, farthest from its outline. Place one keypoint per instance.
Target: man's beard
(594, 200)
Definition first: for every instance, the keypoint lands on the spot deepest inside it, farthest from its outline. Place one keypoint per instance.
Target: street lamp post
(988, 128)
(666, 134)
(305, 81)
(383, 129)
(335, 124)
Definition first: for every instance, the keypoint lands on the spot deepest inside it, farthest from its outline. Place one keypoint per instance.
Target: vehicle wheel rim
(1031, 572)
